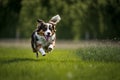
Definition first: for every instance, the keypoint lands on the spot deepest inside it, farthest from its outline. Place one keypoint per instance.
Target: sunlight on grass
(95, 63)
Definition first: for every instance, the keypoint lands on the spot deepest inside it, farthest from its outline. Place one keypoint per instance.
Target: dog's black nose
(48, 33)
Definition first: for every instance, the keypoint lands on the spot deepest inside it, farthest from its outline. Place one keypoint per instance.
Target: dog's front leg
(51, 46)
(41, 50)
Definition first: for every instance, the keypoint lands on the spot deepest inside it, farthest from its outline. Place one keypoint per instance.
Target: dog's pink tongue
(47, 38)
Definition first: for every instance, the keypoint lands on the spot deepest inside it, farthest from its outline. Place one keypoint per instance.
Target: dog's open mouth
(47, 37)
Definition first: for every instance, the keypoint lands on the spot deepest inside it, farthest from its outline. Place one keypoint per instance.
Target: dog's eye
(44, 28)
(50, 28)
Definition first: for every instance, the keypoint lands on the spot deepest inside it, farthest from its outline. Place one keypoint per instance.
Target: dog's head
(47, 29)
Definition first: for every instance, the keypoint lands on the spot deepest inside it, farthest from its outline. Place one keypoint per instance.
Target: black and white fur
(43, 38)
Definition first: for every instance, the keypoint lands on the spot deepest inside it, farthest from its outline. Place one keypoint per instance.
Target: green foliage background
(81, 19)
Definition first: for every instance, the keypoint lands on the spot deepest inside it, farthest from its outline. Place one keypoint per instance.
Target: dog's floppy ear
(55, 19)
(40, 21)
(40, 24)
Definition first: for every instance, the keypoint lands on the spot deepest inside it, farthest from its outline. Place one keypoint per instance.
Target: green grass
(87, 63)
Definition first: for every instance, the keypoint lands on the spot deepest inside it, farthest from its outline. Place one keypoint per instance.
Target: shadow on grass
(15, 60)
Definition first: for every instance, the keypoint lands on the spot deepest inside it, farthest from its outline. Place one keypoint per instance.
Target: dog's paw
(50, 47)
(44, 55)
(36, 54)
(41, 50)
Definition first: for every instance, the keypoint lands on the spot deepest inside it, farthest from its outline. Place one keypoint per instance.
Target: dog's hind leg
(33, 44)
(37, 54)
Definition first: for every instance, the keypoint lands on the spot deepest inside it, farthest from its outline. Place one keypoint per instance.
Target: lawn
(85, 63)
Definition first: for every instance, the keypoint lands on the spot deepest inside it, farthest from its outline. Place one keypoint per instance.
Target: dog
(43, 38)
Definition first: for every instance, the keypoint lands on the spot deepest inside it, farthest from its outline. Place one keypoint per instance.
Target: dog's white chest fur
(43, 41)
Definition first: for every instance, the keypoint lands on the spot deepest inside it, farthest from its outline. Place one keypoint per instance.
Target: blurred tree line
(81, 19)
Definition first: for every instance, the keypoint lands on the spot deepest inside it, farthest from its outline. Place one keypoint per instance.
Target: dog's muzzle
(47, 36)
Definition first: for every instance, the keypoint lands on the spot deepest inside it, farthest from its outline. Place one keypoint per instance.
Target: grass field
(85, 63)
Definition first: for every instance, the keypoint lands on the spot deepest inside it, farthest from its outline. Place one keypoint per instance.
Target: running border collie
(43, 38)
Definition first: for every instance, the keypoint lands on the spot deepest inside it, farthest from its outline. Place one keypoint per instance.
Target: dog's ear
(40, 24)
(55, 19)
(40, 21)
